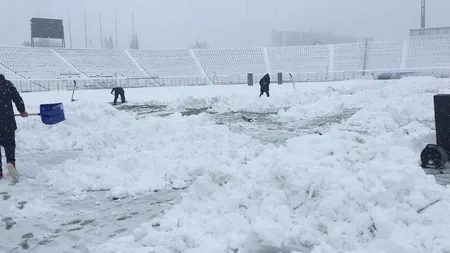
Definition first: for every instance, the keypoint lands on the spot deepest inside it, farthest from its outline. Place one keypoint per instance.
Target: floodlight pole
(70, 32)
(115, 21)
(422, 24)
(248, 22)
(85, 31)
(101, 31)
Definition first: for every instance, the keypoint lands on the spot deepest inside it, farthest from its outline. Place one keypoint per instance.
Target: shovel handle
(29, 114)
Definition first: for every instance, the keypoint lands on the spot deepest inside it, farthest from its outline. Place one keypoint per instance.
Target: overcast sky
(221, 23)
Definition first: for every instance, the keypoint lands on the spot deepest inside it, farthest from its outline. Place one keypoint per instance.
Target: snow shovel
(50, 113)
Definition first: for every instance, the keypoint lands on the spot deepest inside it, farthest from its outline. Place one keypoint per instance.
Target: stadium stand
(231, 65)
(9, 74)
(101, 68)
(428, 52)
(349, 57)
(231, 61)
(299, 59)
(35, 63)
(303, 61)
(384, 55)
(101, 62)
(176, 62)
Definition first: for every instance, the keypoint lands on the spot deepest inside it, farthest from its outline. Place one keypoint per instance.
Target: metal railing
(64, 84)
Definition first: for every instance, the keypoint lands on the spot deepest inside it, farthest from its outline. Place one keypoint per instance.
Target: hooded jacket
(265, 82)
(9, 94)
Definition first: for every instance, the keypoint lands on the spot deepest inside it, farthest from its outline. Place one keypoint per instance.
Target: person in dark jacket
(8, 126)
(118, 91)
(264, 83)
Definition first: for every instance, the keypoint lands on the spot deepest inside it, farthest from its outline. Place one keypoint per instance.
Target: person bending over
(118, 91)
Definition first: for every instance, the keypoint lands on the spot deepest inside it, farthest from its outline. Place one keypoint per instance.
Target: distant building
(293, 38)
(432, 31)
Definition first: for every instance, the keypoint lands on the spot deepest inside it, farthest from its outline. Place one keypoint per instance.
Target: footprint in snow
(5, 195)
(117, 232)
(24, 243)
(9, 222)
(21, 205)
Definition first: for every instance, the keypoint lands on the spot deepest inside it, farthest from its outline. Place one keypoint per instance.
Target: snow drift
(355, 188)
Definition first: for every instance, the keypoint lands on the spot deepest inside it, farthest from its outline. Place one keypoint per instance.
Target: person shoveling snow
(264, 83)
(8, 124)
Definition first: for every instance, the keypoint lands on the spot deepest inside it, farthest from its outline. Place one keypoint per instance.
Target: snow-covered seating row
(299, 59)
(384, 55)
(10, 75)
(349, 57)
(232, 61)
(428, 52)
(176, 62)
(35, 63)
(102, 62)
(225, 66)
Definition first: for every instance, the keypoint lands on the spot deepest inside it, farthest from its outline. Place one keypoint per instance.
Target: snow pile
(338, 192)
(113, 148)
(118, 192)
(244, 98)
(365, 96)
(85, 128)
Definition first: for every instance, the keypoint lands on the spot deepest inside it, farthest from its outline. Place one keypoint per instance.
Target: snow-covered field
(332, 167)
